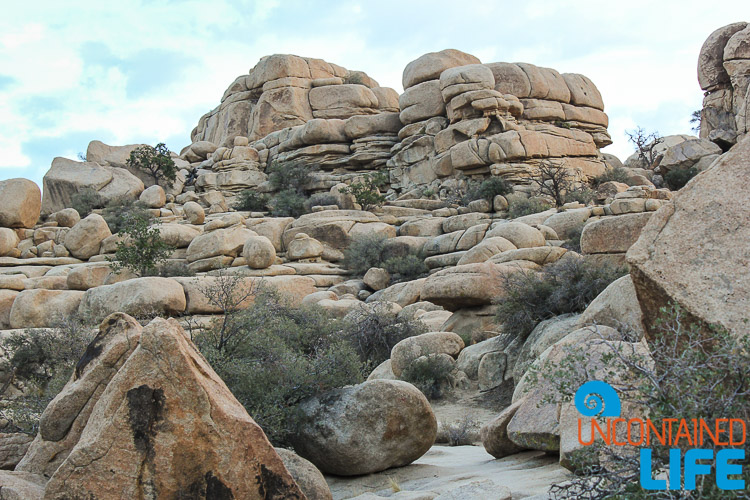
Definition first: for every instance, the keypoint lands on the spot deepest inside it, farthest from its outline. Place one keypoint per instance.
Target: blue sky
(146, 70)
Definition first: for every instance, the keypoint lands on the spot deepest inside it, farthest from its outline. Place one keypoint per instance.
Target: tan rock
(486, 249)
(520, 234)
(84, 239)
(67, 217)
(537, 255)
(402, 294)
(342, 101)
(304, 247)
(377, 278)
(495, 434)
(194, 213)
(617, 306)
(139, 297)
(409, 349)
(177, 235)
(466, 285)
(566, 222)
(306, 475)
(365, 428)
(711, 72)
(431, 65)
(8, 241)
(613, 234)
(153, 197)
(220, 242)
(22, 203)
(6, 304)
(259, 252)
(40, 308)
(89, 276)
(421, 102)
(188, 432)
(22, 485)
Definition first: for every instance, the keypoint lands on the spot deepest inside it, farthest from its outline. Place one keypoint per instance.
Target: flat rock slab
(38, 261)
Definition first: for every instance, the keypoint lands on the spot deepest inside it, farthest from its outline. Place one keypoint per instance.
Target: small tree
(155, 161)
(553, 180)
(695, 120)
(645, 145)
(367, 191)
(143, 250)
(227, 292)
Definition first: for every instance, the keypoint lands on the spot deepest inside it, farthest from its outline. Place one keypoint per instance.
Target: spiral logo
(597, 399)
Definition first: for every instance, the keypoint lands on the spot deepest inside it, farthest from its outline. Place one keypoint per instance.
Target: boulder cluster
(145, 415)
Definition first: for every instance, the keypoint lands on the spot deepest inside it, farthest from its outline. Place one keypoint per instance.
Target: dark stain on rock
(216, 490)
(93, 350)
(145, 410)
(273, 486)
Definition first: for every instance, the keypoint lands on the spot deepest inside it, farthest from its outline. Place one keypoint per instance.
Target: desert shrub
(288, 203)
(694, 371)
(279, 356)
(566, 286)
(612, 174)
(520, 207)
(580, 194)
(284, 176)
(251, 201)
(364, 252)
(143, 250)
(374, 331)
(120, 212)
(553, 180)
(320, 199)
(676, 178)
(430, 374)
(85, 201)
(155, 161)
(43, 361)
(645, 145)
(574, 238)
(492, 187)
(460, 432)
(367, 191)
(407, 267)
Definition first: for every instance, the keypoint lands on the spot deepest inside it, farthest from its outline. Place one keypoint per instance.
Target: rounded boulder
(259, 252)
(365, 428)
(21, 203)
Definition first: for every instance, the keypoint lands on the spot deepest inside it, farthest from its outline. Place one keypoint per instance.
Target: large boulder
(22, 203)
(65, 178)
(466, 285)
(84, 239)
(431, 65)
(365, 428)
(694, 250)
(408, 350)
(39, 308)
(166, 426)
(617, 306)
(711, 72)
(259, 252)
(613, 234)
(139, 297)
(8, 241)
(228, 241)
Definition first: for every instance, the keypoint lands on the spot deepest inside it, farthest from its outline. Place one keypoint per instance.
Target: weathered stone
(8, 241)
(377, 278)
(84, 239)
(409, 349)
(22, 203)
(613, 234)
(486, 249)
(220, 242)
(88, 276)
(495, 434)
(7, 297)
(188, 432)
(40, 308)
(67, 217)
(617, 306)
(306, 475)
(153, 197)
(16, 485)
(139, 297)
(431, 65)
(259, 252)
(194, 213)
(421, 102)
(520, 234)
(712, 284)
(365, 428)
(466, 285)
(711, 72)
(304, 247)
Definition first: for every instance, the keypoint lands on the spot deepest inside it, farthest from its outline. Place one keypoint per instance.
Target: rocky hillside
(469, 231)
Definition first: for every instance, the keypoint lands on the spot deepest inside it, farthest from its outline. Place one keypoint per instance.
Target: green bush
(120, 212)
(43, 360)
(155, 161)
(278, 356)
(374, 330)
(520, 207)
(566, 286)
(430, 374)
(582, 195)
(367, 191)
(251, 201)
(143, 250)
(492, 187)
(574, 238)
(364, 252)
(678, 177)
(288, 203)
(612, 174)
(289, 176)
(408, 267)
(86, 201)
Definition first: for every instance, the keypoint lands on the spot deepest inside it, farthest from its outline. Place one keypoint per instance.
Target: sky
(144, 71)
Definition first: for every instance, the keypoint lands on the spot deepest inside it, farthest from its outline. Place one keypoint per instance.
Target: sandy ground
(445, 468)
